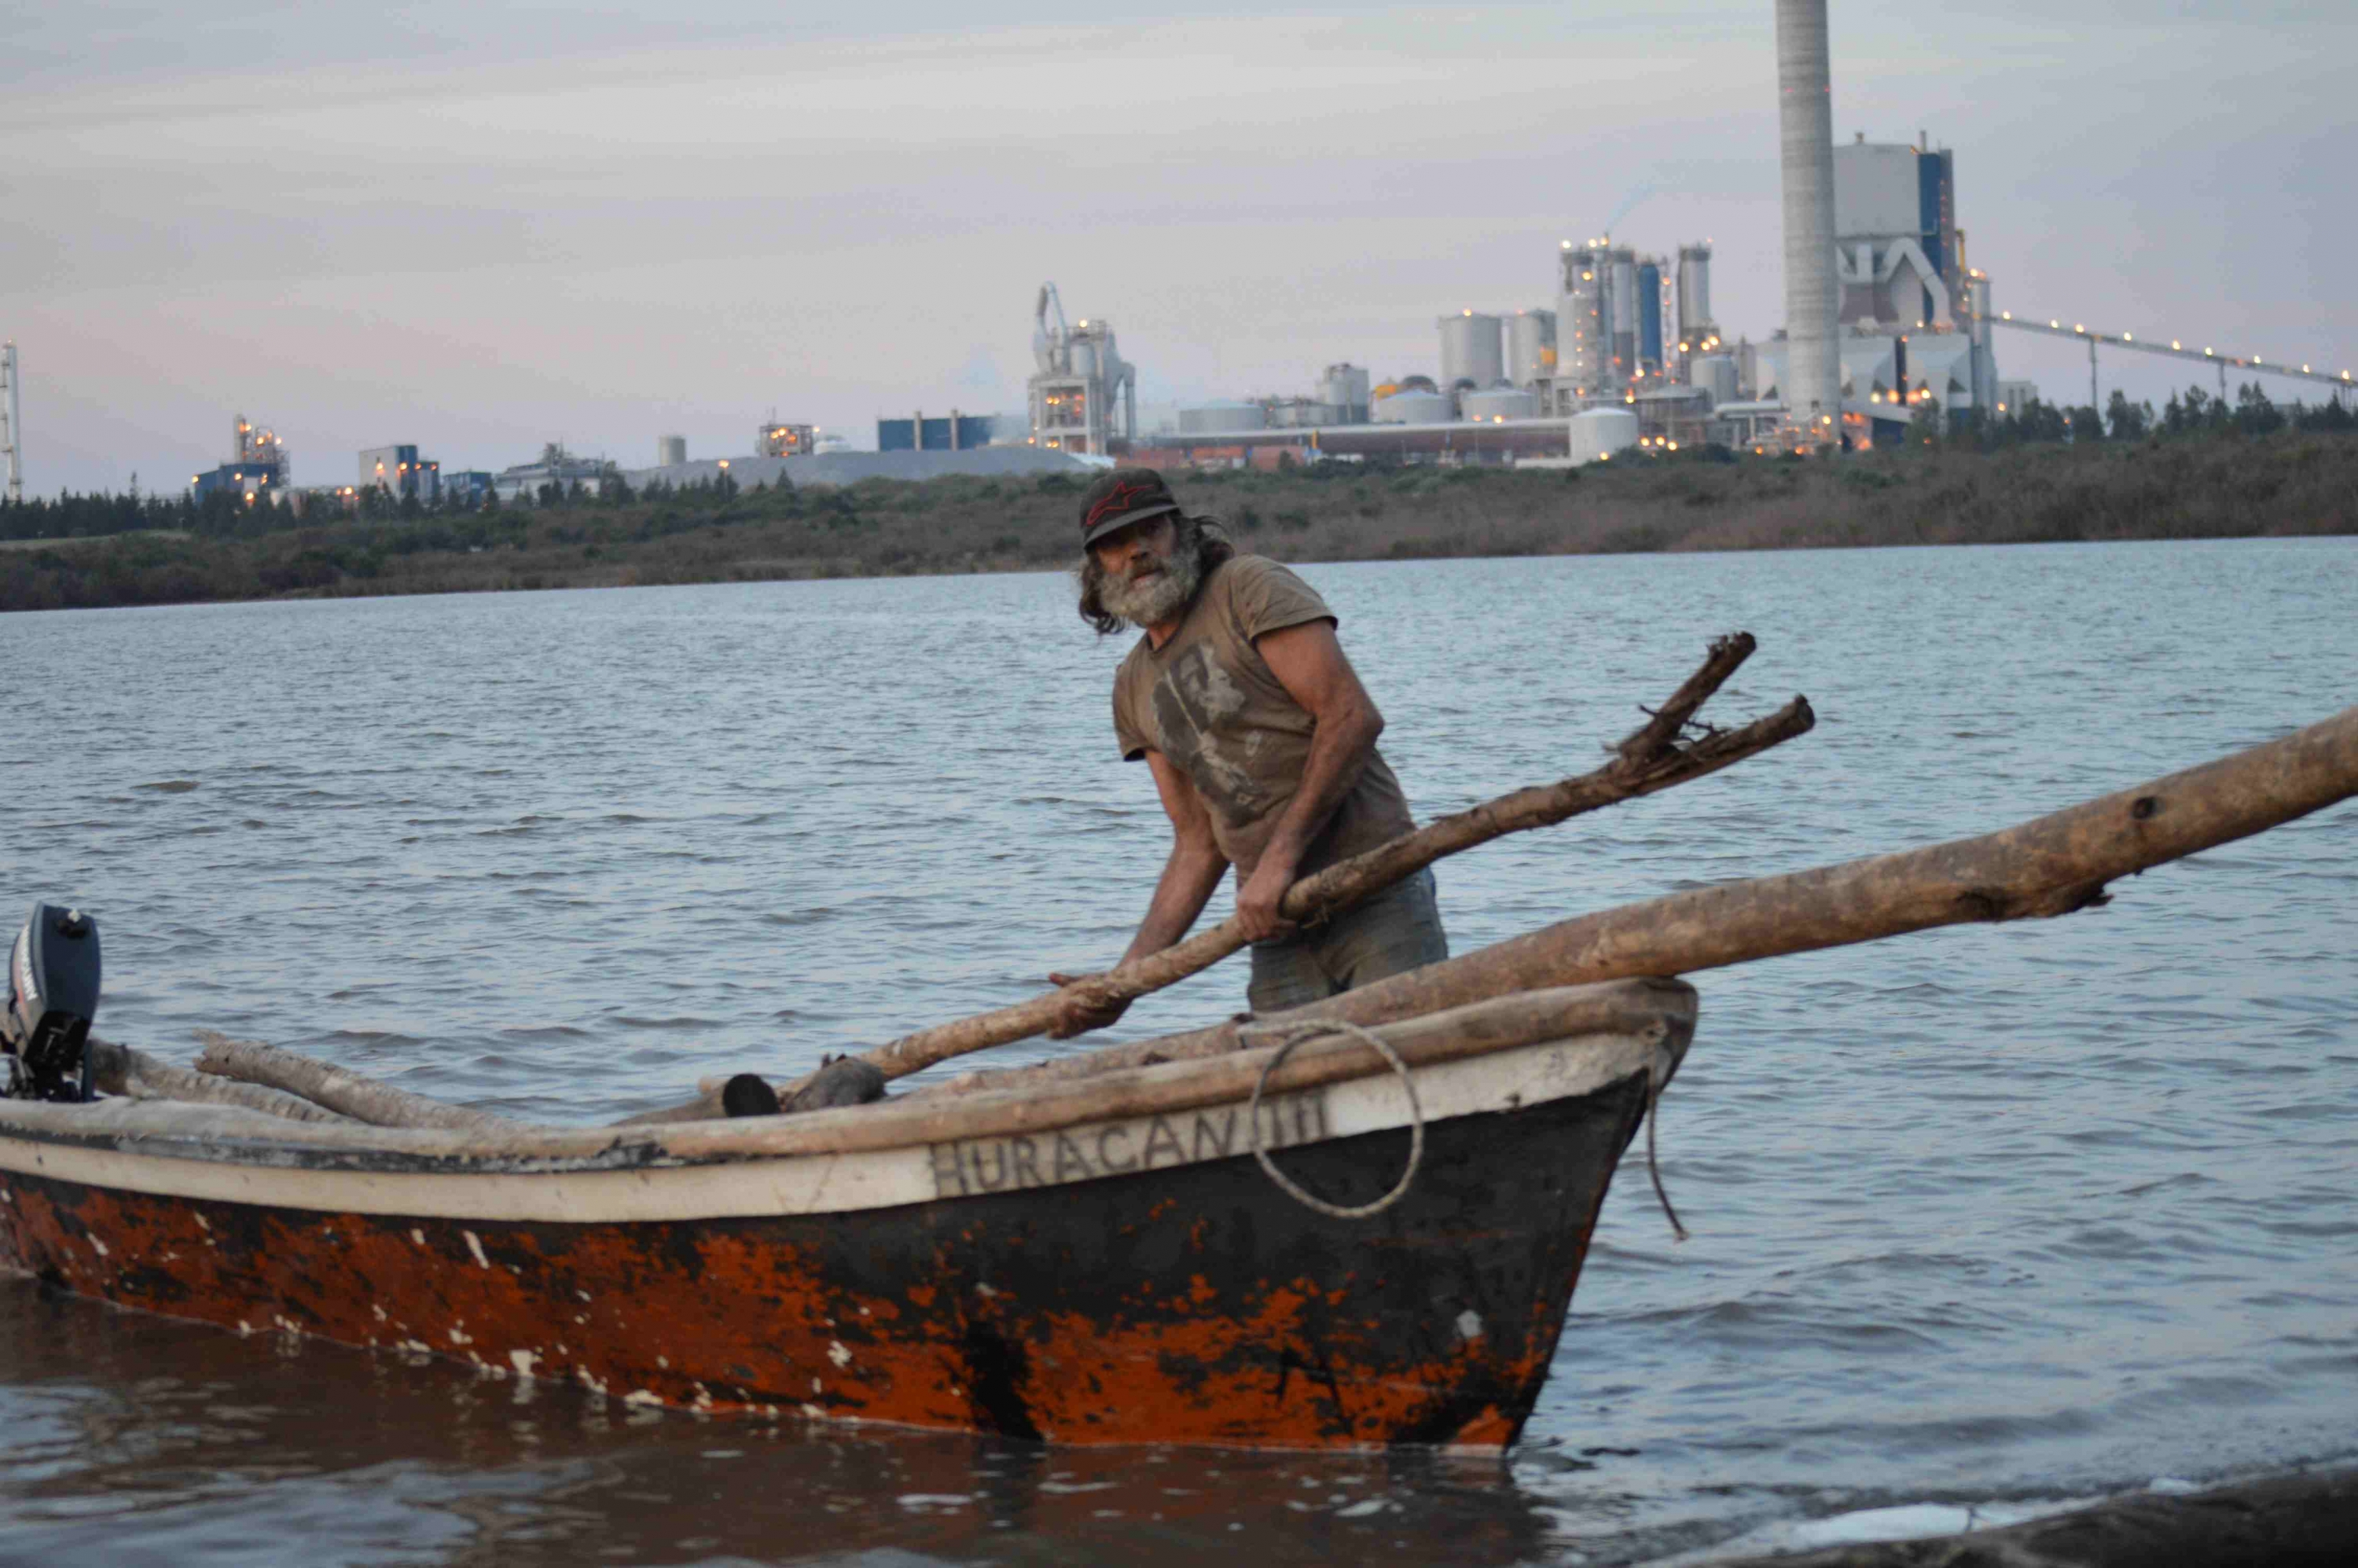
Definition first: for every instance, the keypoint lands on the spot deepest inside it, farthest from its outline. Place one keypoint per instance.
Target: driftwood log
(360, 1098)
(1648, 761)
(135, 1074)
(2050, 866)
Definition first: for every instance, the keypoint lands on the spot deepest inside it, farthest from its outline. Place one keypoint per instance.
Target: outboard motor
(52, 992)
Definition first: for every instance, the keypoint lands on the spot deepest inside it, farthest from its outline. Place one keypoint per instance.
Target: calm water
(1982, 1216)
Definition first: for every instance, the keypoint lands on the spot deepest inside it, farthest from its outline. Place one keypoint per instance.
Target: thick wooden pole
(2050, 866)
(135, 1074)
(1648, 762)
(361, 1098)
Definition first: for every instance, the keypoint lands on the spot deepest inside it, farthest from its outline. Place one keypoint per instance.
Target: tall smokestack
(1805, 120)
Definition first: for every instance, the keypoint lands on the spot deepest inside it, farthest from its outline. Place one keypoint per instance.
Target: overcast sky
(481, 226)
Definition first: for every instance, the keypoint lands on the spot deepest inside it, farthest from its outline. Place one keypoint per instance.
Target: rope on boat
(1311, 1029)
(1655, 1079)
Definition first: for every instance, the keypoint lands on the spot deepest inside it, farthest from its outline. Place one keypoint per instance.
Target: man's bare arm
(1194, 869)
(1309, 661)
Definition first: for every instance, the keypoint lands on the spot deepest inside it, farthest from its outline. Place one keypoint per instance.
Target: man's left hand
(1257, 900)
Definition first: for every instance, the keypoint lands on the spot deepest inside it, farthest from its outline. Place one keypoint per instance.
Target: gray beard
(1158, 598)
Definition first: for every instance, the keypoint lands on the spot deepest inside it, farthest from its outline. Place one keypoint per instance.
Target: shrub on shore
(2218, 478)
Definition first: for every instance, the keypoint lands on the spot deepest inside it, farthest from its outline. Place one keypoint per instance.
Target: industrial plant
(1888, 335)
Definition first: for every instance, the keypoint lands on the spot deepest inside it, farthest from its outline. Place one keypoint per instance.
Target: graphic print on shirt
(1196, 705)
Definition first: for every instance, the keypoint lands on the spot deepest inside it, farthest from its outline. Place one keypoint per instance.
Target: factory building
(957, 433)
(1611, 325)
(400, 474)
(1470, 354)
(525, 482)
(466, 488)
(1911, 327)
(772, 439)
(1583, 326)
(1084, 396)
(256, 470)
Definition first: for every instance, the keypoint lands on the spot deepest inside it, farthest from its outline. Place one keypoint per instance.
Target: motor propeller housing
(52, 995)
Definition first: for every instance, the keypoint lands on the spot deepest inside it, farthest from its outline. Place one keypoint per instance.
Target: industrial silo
(1530, 347)
(1346, 386)
(670, 451)
(1650, 315)
(1695, 294)
(1622, 298)
(1469, 350)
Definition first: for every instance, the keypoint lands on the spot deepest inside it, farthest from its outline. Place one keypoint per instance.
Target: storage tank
(1346, 387)
(1411, 408)
(670, 451)
(1504, 400)
(1600, 432)
(1469, 349)
(1530, 347)
(1216, 416)
(1714, 373)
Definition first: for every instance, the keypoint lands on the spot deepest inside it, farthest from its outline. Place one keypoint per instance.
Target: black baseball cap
(1121, 498)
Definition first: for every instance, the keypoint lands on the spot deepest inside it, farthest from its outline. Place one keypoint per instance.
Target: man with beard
(1261, 741)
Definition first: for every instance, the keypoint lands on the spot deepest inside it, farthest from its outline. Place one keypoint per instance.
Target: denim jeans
(1396, 931)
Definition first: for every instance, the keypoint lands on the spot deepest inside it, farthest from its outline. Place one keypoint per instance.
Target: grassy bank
(2288, 482)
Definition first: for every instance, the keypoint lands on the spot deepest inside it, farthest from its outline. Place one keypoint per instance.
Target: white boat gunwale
(857, 1157)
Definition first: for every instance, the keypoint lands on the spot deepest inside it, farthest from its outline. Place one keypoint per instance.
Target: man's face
(1137, 553)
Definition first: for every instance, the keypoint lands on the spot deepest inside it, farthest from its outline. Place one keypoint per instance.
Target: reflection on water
(1991, 1215)
(126, 1436)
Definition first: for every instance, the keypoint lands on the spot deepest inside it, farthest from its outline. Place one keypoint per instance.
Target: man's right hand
(1074, 1015)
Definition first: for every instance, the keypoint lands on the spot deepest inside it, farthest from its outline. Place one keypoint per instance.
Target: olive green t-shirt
(1207, 701)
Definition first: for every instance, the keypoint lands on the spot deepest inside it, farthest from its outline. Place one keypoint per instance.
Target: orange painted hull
(1198, 1304)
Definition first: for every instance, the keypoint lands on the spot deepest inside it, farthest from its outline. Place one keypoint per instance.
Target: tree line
(2191, 414)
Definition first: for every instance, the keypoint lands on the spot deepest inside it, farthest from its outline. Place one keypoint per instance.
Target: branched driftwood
(135, 1074)
(1648, 761)
(361, 1098)
(2050, 866)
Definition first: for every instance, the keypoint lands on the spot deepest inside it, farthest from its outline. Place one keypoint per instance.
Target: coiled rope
(1293, 1034)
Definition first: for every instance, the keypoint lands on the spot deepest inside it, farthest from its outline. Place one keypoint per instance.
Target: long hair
(1202, 534)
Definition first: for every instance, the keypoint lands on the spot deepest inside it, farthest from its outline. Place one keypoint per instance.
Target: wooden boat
(1105, 1258)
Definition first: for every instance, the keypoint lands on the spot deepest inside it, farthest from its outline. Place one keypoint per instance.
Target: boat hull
(1198, 1304)
(1099, 1261)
